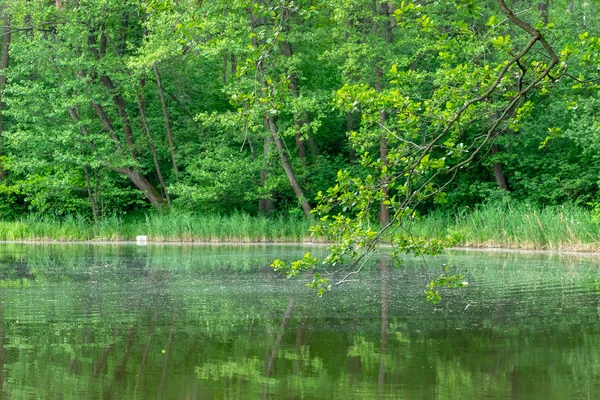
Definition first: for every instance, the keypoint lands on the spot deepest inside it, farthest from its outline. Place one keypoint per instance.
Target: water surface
(208, 322)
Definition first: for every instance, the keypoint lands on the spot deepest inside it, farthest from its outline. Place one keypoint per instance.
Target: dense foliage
(254, 106)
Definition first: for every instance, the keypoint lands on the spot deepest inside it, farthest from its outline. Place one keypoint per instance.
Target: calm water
(182, 322)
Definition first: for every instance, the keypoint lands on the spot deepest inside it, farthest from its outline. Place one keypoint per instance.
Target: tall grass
(166, 227)
(516, 225)
(509, 225)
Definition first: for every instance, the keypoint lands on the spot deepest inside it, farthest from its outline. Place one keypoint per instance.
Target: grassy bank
(516, 226)
(160, 228)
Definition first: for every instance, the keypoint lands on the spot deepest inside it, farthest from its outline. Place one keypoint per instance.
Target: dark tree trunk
(543, 9)
(134, 176)
(120, 104)
(233, 65)
(386, 33)
(88, 186)
(144, 121)
(299, 120)
(224, 69)
(163, 103)
(4, 61)
(84, 133)
(272, 126)
(265, 204)
(107, 125)
(289, 171)
(142, 184)
(116, 97)
(300, 143)
(384, 210)
(499, 169)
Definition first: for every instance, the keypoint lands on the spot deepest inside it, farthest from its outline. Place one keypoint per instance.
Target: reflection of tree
(384, 267)
(273, 353)
(2, 393)
(241, 336)
(299, 343)
(167, 355)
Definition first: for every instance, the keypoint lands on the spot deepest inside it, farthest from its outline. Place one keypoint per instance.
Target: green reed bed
(516, 225)
(168, 227)
(509, 225)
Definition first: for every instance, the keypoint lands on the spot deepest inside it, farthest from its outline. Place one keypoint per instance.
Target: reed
(504, 225)
(167, 227)
(516, 225)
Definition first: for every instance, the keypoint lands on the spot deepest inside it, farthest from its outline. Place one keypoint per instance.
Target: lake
(214, 322)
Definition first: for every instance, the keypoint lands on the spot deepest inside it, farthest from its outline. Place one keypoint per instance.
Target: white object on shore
(141, 240)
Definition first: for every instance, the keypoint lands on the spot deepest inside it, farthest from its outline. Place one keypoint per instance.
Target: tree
(448, 99)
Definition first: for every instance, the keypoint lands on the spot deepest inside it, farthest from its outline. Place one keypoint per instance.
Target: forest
(320, 139)
(359, 113)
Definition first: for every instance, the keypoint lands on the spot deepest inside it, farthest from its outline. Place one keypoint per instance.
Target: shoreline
(475, 249)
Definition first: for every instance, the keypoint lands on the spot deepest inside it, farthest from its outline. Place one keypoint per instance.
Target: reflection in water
(384, 266)
(119, 322)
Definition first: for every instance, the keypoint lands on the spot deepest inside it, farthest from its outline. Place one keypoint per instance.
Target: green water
(183, 322)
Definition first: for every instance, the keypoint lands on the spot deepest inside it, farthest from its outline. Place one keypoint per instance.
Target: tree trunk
(4, 60)
(233, 65)
(183, 108)
(288, 168)
(265, 204)
(144, 121)
(167, 123)
(299, 120)
(84, 133)
(384, 210)
(88, 186)
(116, 97)
(300, 143)
(312, 147)
(386, 33)
(499, 169)
(142, 184)
(107, 125)
(543, 8)
(120, 104)
(224, 70)
(135, 177)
